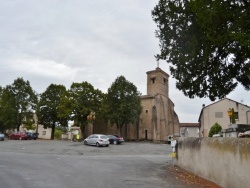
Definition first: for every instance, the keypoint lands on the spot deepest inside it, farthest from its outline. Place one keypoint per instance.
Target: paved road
(64, 164)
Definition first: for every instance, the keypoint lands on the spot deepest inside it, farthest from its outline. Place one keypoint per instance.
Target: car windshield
(103, 137)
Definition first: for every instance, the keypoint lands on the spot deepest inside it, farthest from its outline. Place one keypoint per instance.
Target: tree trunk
(53, 131)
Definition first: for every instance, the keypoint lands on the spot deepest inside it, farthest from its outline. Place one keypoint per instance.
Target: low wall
(224, 161)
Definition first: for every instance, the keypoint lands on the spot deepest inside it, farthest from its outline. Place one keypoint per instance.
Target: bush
(215, 129)
(58, 134)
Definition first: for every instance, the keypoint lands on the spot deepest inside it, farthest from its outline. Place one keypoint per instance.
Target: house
(189, 129)
(218, 112)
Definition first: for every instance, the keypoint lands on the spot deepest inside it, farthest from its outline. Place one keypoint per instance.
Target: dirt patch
(189, 178)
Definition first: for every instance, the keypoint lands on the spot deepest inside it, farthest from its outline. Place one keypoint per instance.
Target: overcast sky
(66, 41)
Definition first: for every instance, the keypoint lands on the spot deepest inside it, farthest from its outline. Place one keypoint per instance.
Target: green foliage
(58, 134)
(215, 129)
(47, 110)
(59, 130)
(8, 113)
(29, 122)
(122, 103)
(62, 129)
(81, 99)
(21, 100)
(206, 43)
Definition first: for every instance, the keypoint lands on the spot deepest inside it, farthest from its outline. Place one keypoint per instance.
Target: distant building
(189, 129)
(217, 113)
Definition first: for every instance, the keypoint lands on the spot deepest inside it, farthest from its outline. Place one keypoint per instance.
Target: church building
(158, 119)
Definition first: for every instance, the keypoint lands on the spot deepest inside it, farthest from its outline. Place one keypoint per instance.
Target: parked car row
(23, 136)
(103, 140)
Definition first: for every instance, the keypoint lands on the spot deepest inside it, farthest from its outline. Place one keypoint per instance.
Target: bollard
(173, 154)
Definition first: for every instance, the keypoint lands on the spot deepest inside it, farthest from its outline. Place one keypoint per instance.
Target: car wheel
(115, 142)
(107, 145)
(85, 142)
(97, 144)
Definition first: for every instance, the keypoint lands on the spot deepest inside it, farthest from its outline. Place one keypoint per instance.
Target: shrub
(215, 129)
(58, 134)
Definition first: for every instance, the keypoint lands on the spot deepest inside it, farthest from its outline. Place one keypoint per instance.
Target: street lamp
(91, 119)
(230, 114)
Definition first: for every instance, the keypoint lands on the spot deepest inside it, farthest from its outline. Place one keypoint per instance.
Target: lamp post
(91, 119)
(230, 113)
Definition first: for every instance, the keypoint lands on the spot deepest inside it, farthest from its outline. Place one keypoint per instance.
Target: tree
(215, 129)
(79, 102)
(8, 111)
(24, 98)
(122, 103)
(207, 44)
(47, 110)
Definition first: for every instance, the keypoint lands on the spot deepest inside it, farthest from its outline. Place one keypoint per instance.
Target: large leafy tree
(47, 110)
(80, 101)
(24, 99)
(122, 103)
(207, 44)
(8, 111)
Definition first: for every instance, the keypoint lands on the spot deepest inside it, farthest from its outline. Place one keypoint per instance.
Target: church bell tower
(157, 82)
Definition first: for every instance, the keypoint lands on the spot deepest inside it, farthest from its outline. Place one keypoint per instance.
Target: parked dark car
(18, 136)
(115, 139)
(32, 136)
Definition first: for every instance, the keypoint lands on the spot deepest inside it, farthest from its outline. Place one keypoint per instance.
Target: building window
(44, 133)
(236, 115)
(153, 78)
(218, 114)
(165, 80)
(146, 111)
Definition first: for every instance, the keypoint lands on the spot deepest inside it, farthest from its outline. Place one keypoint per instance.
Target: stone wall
(225, 161)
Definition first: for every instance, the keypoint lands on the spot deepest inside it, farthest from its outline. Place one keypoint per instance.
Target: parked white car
(97, 140)
(2, 136)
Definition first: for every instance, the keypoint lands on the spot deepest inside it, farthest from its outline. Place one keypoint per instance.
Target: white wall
(44, 133)
(225, 161)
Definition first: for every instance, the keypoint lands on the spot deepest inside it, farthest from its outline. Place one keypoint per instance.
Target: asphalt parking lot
(46, 163)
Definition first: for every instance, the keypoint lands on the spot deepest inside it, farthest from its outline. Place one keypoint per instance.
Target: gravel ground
(188, 178)
(169, 172)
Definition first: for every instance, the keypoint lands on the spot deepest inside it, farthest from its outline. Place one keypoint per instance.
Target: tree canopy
(122, 103)
(79, 102)
(207, 44)
(21, 100)
(47, 109)
(8, 113)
